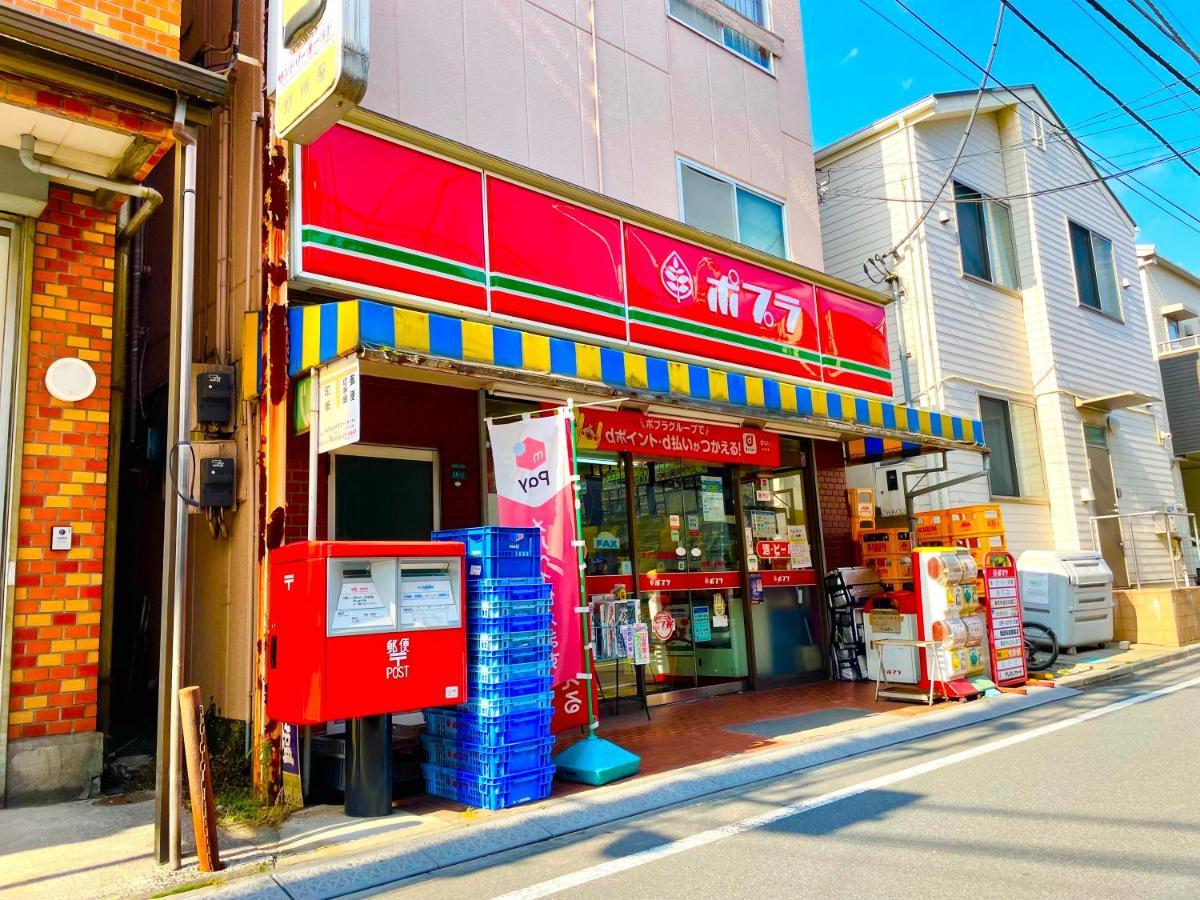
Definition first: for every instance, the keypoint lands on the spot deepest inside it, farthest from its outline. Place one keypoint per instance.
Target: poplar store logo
(530, 455)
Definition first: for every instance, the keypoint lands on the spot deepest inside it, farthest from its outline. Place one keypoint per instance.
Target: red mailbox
(363, 628)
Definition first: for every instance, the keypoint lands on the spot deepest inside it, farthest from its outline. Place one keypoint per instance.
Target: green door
(380, 498)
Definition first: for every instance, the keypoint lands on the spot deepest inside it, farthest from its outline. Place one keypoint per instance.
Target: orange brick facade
(151, 25)
(56, 624)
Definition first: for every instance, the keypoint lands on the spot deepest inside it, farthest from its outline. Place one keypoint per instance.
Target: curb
(608, 805)
(1087, 679)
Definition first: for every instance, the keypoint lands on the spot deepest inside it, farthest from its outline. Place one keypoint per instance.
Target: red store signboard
(385, 220)
(598, 428)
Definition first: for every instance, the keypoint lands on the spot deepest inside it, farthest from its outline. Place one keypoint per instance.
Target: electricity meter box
(364, 628)
(1069, 593)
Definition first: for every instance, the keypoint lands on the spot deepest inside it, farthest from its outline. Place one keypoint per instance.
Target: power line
(1088, 75)
(1133, 183)
(1159, 21)
(1145, 48)
(962, 143)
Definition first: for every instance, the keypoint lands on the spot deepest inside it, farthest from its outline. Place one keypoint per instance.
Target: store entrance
(689, 577)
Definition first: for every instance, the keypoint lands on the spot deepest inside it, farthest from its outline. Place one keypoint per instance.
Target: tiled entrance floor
(696, 731)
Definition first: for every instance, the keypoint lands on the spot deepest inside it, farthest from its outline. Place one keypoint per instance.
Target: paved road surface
(1097, 796)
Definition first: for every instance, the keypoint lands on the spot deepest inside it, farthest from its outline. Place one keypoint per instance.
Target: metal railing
(1187, 342)
(1182, 546)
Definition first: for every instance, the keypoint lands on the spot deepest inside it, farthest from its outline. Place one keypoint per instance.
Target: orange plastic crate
(891, 566)
(968, 520)
(932, 527)
(885, 541)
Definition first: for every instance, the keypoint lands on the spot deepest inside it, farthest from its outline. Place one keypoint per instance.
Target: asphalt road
(1096, 796)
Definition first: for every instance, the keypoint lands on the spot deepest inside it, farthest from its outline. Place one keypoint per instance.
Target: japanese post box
(363, 628)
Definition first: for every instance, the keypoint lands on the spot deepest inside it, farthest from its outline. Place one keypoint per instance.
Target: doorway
(1105, 502)
(383, 494)
(690, 579)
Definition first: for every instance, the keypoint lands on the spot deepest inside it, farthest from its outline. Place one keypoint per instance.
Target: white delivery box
(1069, 593)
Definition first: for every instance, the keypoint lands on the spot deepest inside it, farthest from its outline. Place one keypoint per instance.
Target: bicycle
(1041, 647)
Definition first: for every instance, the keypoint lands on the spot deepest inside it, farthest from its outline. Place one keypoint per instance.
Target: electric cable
(1142, 45)
(1050, 42)
(173, 469)
(1083, 146)
(962, 143)
(1164, 27)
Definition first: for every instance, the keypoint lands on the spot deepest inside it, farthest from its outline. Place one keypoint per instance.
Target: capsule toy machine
(365, 628)
(949, 613)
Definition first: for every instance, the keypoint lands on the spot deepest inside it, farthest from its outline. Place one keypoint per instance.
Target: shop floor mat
(773, 728)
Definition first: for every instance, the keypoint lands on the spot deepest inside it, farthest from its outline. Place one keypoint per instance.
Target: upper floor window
(1015, 464)
(985, 236)
(695, 18)
(1095, 271)
(722, 206)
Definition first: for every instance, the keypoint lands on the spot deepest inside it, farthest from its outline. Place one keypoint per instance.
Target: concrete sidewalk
(101, 848)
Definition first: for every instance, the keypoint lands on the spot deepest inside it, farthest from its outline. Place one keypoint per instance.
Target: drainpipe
(89, 182)
(187, 264)
(596, 97)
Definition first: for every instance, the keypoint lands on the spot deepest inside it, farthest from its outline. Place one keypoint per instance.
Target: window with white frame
(695, 18)
(723, 207)
(985, 237)
(1015, 464)
(1095, 271)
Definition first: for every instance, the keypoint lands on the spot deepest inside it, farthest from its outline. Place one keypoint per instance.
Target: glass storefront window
(774, 506)
(605, 522)
(688, 505)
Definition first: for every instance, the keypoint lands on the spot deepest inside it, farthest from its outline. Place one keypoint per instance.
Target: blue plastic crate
(489, 762)
(504, 609)
(503, 688)
(509, 658)
(490, 731)
(488, 793)
(504, 706)
(482, 644)
(498, 552)
(499, 590)
(485, 675)
(479, 626)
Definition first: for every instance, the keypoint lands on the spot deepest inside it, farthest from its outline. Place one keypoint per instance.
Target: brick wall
(56, 625)
(401, 414)
(835, 507)
(151, 25)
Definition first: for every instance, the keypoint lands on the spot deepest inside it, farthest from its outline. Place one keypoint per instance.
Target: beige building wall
(516, 78)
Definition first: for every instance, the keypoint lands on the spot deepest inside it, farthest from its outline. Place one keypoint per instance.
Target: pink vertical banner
(531, 457)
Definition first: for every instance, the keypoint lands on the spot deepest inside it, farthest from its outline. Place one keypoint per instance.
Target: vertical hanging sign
(1004, 619)
(320, 65)
(533, 487)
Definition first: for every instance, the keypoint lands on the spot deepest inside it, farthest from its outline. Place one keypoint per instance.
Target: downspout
(187, 264)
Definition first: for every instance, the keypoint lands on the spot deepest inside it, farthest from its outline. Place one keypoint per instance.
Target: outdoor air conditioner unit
(889, 490)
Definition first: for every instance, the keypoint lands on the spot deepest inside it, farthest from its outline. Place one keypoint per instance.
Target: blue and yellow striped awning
(875, 429)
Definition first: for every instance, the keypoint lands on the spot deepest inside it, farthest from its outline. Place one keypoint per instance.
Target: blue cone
(596, 761)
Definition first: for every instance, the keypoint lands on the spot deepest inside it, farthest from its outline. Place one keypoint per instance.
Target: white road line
(634, 860)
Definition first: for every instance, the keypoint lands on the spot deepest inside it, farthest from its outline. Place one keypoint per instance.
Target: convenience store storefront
(714, 385)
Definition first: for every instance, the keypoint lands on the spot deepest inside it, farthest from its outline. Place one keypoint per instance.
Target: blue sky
(860, 68)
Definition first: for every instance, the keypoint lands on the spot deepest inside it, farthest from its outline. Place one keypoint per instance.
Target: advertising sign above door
(320, 63)
(383, 219)
(615, 430)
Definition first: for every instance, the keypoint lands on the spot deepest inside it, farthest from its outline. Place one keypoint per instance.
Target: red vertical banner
(1006, 638)
(534, 490)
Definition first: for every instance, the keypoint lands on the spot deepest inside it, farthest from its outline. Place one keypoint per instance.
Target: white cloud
(906, 83)
(849, 56)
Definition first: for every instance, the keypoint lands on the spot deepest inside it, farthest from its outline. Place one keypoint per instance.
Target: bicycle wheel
(1041, 647)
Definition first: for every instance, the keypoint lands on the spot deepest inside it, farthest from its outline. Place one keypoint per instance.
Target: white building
(1022, 305)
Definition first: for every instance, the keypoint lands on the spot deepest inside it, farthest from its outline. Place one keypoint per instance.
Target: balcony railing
(1187, 342)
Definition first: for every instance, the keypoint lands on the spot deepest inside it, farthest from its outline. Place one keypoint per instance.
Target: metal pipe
(89, 182)
(596, 97)
(314, 414)
(897, 304)
(187, 267)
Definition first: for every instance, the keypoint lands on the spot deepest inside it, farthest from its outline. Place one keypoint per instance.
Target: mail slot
(363, 628)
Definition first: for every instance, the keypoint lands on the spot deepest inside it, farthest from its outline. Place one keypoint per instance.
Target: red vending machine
(365, 628)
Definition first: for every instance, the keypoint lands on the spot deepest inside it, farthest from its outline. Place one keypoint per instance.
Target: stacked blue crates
(494, 750)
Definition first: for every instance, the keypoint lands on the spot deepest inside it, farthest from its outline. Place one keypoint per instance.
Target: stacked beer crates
(980, 529)
(494, 750)
(889, 552)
